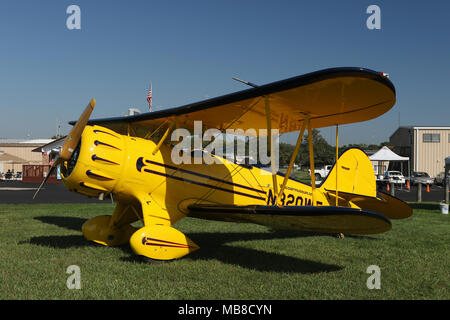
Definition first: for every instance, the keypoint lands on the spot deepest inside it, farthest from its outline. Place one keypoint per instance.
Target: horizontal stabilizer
(385, 204)
(325, 219)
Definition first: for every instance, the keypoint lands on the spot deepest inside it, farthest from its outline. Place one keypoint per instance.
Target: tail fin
(356, 184)
(354, 174)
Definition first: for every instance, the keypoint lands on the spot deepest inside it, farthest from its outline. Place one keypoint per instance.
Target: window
(431, 137)
(449, 138)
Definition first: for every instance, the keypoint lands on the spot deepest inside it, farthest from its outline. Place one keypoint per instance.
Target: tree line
(324, 153)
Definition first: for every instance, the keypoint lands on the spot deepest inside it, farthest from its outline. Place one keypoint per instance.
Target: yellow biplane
(129, 158)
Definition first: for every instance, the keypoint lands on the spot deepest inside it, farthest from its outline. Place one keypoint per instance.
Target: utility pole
(419, 192)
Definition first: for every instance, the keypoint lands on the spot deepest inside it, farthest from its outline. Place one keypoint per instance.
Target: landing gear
(100, 230)
(155, 242)
(159, 242)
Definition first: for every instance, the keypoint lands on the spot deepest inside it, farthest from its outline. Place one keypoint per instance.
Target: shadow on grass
(58, 242)
(71, 223)
(216, 246)
(213, 246)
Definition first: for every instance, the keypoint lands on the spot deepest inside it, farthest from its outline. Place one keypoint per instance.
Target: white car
(394, 177)
(421, 177)
(322, 172)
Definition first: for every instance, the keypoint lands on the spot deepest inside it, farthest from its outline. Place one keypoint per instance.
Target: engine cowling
(96, 165)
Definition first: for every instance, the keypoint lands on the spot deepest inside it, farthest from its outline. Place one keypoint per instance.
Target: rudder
(354, 173)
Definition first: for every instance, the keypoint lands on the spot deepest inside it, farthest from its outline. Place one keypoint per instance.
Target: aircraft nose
(99, 164)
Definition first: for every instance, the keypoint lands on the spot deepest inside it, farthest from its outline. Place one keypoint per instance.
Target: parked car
(394, 177)
(322, 172)
(439, 179)
(421, 177)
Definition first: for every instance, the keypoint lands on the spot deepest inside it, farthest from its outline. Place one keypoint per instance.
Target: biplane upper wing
(327, 219)
(328, 97)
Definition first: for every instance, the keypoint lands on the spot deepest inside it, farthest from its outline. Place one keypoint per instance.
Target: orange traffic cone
(428, 188)
(407, 184)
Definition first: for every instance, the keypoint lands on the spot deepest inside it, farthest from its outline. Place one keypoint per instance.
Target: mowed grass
(236, 261)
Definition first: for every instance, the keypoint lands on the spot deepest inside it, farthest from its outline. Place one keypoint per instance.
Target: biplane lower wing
(326, 219)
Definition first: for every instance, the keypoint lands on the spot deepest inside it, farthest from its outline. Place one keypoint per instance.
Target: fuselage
(127, 167)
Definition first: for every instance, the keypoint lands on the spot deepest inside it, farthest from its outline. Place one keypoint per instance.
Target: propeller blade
(72, 140)
(52, 168)
(75, 134)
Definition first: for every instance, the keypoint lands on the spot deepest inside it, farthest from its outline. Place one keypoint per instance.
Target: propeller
(71, 142)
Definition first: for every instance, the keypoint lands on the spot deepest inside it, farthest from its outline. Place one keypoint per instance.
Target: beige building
(427, 147)
(16, 152)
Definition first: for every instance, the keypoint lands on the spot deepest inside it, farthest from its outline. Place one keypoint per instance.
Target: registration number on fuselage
(290, 199)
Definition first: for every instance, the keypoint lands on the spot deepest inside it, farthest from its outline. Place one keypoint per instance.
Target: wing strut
(163, 138)
(269, 142)
(337, 167)
(130, 130)
(294, 155)
(311, 161)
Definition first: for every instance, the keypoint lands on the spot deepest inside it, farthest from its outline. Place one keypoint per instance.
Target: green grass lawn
(235, 261)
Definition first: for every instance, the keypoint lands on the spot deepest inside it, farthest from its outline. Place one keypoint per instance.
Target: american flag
(149, 97)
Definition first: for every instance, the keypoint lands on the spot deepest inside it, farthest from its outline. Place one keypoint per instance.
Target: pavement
(436, 193)
(17, 192)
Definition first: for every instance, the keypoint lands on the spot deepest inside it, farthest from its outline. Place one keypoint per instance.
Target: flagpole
(149, 97)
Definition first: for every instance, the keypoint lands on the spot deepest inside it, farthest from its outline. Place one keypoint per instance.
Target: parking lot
(436, 193)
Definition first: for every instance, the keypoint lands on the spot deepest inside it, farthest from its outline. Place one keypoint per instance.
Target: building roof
(32, 141)
(52, 145)
(426, 127)
(35, 141)
(7, 142)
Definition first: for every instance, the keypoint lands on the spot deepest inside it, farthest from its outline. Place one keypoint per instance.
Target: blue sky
(190, 50)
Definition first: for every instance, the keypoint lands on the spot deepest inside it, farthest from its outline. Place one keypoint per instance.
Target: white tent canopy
(385, 154)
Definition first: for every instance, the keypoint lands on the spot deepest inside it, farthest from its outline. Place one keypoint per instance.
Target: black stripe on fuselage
(204, 176)
(203, 184)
